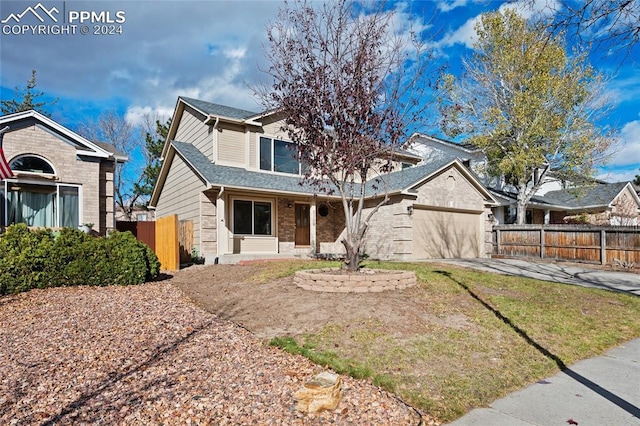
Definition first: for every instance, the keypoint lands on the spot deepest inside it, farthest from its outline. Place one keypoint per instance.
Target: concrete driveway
(627, 282)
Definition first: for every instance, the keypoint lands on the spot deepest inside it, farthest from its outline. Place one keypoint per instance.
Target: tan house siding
(254, 142)
(194, 131)
(180, 195)
(272, 126)
(231, 145)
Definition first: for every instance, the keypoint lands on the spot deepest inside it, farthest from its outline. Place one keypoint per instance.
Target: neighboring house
(139, 214)
(600, 204)
(231, 172)
(61, 179)
(555, 201)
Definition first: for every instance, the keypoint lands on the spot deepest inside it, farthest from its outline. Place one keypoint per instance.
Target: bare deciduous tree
(112, 128)
(348, 84)
(614, 25)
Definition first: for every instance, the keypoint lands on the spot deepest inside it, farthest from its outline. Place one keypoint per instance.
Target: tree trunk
(521, 207)
(521, 214)
(352, 258)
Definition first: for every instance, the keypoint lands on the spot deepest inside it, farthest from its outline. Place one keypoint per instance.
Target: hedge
(69, 257)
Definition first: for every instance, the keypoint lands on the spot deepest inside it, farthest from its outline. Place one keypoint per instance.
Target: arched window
(32, 164)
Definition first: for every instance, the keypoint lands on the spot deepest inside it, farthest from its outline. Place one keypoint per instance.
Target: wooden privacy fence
(144, 231)
(185, 240)
(170, 239)
(591, 244)
(167, 247)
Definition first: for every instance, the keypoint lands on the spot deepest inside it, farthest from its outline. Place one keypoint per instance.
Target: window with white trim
(278, 156)
(45, 204)
(252, 217)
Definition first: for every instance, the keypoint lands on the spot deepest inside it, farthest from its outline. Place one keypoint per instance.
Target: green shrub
(24, 259)
(40, 259)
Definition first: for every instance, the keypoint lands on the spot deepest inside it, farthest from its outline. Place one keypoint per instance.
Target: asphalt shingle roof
(217, 109)
(241, 178)
(590, 196)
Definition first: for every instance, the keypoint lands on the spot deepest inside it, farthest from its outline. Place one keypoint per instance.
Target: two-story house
(233, 173)
(60, 178)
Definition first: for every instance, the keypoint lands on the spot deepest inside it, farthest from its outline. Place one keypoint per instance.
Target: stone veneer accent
(363, 281)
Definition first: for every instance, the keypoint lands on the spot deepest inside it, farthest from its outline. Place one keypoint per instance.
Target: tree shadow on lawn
(115, 378)
(613, 398)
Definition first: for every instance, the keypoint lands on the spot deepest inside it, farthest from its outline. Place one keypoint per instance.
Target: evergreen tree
(154, 143)
(27, 98)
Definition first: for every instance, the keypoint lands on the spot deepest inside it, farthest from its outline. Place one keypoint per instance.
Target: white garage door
(446, 234)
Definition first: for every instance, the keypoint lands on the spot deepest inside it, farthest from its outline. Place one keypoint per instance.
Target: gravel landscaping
(147, 355)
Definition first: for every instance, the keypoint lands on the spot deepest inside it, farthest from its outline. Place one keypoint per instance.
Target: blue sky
(213, 50)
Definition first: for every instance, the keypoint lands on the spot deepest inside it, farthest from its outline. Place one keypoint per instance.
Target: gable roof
(238, 178)
(599, 195)
(464, 146)
(208, 108)
(85, 147)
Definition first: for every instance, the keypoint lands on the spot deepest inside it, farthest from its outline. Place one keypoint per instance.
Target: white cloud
(629, 152)
(466, 33)
(448, 5)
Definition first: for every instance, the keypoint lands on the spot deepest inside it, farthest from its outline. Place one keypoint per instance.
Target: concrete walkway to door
(626, 282)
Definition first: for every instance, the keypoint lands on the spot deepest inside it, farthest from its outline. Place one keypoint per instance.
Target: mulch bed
(147, 355)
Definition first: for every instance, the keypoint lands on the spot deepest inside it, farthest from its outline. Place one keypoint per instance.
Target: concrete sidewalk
(602, 391)
(627, 282)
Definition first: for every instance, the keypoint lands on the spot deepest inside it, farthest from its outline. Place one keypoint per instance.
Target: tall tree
(613, 25)
(154, 142)
(112, 128)
(348, 85)
(27, 98)
(637, 180)
(528, 105)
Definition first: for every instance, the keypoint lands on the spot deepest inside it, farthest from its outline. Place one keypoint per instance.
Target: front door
(303, 228)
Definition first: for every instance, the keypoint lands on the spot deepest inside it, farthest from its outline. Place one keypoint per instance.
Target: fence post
(497, 241)
(603, 247)
(542, 251)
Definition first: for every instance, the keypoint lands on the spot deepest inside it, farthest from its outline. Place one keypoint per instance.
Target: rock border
(363, 281)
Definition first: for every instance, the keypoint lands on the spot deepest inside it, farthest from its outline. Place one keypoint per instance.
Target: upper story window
(32, 164)
(278, 156)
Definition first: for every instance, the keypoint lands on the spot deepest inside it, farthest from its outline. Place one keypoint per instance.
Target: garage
(446, 233)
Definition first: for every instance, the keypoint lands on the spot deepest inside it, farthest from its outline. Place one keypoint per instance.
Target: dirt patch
(280, 308)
